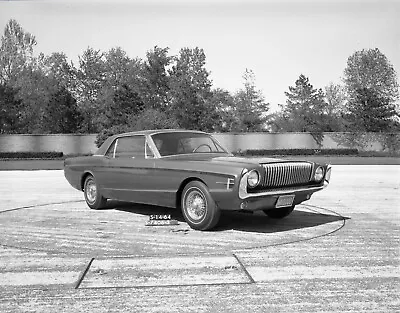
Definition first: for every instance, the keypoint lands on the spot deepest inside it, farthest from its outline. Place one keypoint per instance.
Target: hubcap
(91, 191)
(195, 205)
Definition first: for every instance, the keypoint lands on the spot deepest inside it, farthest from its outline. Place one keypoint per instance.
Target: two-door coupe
(190, 170)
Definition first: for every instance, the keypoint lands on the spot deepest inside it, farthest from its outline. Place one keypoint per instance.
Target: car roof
(103, 148)
(157, 131)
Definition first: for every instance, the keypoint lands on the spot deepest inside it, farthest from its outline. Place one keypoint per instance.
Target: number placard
(161, 220)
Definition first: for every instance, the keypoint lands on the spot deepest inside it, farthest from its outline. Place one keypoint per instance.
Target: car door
(130, 170)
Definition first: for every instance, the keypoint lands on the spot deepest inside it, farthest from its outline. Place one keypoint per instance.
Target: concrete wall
(245, 141)
(69, 144)
(83, 144)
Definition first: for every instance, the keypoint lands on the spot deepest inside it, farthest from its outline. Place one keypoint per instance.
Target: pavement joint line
(39, 205)
(166, 286)
(252, 281)
(83, 274)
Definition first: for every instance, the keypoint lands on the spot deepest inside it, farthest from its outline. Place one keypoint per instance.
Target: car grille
(287, 174)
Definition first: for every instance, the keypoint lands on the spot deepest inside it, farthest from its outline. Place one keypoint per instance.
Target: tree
(61, 114)
(34, 91)
(147, 119)
(250, 106)
(16, 51)
(126, 103)
(120, 70)
(371, 80)
(190, 88)
(90, 78)
(224, 118)
(152, 119)
(372, 70)
(10, 109)
(117, 110)
(56, 67)
(335, 110)
(371, 113)
(156, 78)
(305, 110)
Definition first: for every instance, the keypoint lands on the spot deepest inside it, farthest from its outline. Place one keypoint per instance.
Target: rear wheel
(279, 213)
(92, 194)
(198, 207)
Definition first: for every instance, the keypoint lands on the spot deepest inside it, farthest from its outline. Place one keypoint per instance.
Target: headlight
(319, 174)
(253, 178)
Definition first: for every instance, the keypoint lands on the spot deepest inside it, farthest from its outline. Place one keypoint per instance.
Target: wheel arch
(182, 186)
(83, 178)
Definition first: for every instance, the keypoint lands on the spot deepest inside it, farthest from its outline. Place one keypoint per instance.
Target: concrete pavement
(339, 252)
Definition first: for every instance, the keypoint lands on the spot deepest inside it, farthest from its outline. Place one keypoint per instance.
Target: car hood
(225, 160)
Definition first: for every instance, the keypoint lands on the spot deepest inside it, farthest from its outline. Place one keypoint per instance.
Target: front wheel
(198, 207)
(92, 194)
(279, 213)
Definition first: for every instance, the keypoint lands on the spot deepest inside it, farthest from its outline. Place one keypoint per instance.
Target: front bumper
(265, 200)
(278, 192)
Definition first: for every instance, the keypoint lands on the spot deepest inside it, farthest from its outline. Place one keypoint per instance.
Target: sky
(277, 39)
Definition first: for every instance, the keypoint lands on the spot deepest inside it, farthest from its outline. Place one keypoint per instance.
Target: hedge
(31, 155)
(263, 152)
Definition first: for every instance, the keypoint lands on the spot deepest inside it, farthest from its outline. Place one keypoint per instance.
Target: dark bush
(262, 152)
(31, 155)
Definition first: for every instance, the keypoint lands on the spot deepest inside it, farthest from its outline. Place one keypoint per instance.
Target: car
(192, 171)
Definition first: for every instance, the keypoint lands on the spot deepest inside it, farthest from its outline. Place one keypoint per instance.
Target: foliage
(263, 152)
(223, 118)
(250, 108)
(305, 110)
(31, 155)
(56, 67)
(107, 92)
(108, 132)
(335, 99)
(152, 119)
(61, 113)
(369, 112)
(119, 69)
(372, 70)
(126, 102)
(90, 77)
(156, 83)
(190, 89)
(364, 141)
(148, 119)
(373, 90)
(10, 108)
(34, 92)
(16, 51)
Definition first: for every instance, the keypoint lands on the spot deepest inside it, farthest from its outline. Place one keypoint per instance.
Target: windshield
(185, 143)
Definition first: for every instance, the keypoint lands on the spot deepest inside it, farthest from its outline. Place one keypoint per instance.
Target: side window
(110, 151)
(130, 147)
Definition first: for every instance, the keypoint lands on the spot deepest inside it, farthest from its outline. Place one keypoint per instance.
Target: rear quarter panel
(76, 168)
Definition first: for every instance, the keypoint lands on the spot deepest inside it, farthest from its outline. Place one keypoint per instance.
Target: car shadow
(240, 221)
(260, 223)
